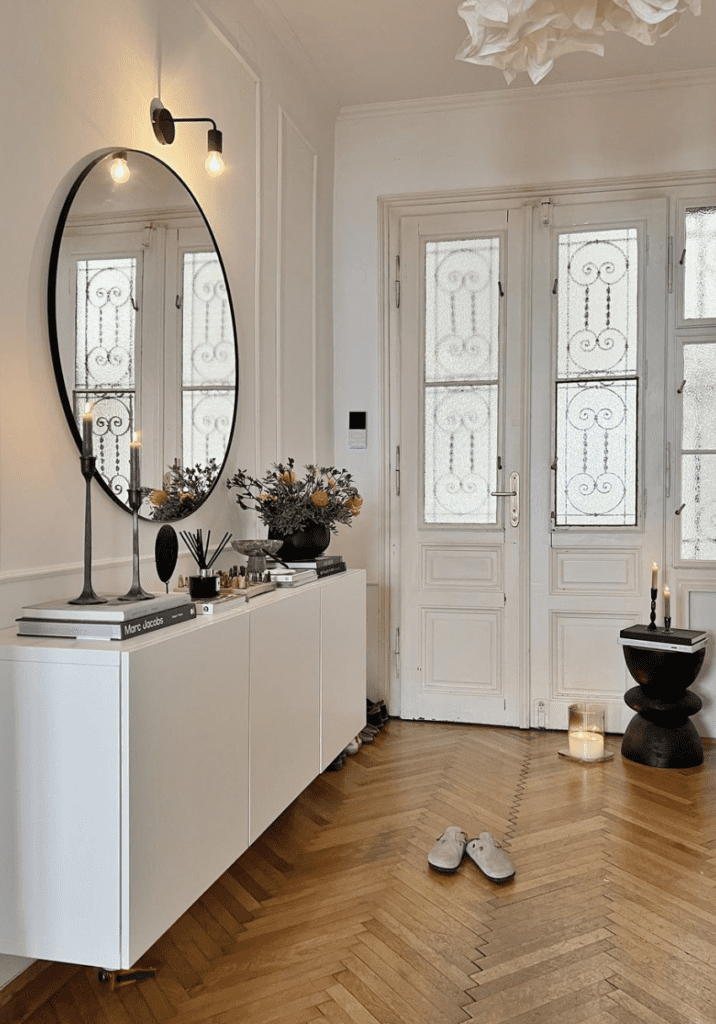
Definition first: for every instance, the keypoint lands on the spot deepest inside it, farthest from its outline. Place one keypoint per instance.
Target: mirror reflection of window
(105, 329)
(208, 365)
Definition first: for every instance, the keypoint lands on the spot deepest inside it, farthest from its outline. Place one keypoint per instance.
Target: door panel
(460, 437)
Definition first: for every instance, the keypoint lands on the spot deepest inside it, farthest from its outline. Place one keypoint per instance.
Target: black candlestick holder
(136, 591)
(652, 616)
(88, 596)
(667, 623)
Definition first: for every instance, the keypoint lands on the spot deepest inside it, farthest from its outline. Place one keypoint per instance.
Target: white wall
(77, 78)
(518, 138)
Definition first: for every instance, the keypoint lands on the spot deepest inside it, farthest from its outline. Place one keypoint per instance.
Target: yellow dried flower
(319, 498)
(185, 496)
(332, 482)
(354, 504)
(158, 497)
(287, 477)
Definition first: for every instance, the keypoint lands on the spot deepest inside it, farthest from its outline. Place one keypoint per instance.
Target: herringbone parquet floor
(334, 916)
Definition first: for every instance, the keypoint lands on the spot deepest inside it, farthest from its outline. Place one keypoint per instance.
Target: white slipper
(490, 858)
(448, 849)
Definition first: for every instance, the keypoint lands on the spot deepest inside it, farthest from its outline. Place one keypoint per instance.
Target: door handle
(514, 496)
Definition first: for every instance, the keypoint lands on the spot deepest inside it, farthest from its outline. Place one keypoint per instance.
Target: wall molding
(38, 983)
(531, 95)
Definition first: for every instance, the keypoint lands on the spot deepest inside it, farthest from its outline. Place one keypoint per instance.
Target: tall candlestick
(135, 447)
(654, 575)
(667, 603)
(87, 430)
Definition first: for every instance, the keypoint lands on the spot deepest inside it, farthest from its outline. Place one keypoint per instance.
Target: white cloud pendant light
(527, 35)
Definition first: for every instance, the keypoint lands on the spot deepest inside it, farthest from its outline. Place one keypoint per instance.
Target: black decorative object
(166, 553)
(305, 544)
(88, 596)
(664, 662)
(652, 614)
(136, 591)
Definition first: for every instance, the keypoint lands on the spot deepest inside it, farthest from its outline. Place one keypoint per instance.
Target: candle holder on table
(585, 734)
(88, 596)
(136, 592)
(652, 614)
(664, 663)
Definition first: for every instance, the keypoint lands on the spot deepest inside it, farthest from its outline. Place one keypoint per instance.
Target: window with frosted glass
(208, 367)
(460, 403)
(698, 456)
(700, 263)
(597, 384)
(105, 359)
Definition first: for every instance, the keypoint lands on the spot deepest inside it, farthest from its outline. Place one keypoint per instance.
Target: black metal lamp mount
(164, 124)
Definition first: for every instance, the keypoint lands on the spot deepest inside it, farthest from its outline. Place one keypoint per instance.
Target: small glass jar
(586, 731)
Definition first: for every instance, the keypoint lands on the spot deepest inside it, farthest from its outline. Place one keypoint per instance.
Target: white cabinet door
(343, 658)
(284, 717)
(59, 805)
(185, 712)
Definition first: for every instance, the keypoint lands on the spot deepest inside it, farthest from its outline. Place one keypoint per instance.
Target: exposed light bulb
(119, 168)
(214, 164)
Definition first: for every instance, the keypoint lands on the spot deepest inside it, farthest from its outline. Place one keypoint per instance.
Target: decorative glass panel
(460, 454)
(462, 309)
(700, 263)
(699, 397)
(698, 517)
(105, 360)
(208, 365)
(596, 446)
(113, 419)
(207, 417)
(597, 326)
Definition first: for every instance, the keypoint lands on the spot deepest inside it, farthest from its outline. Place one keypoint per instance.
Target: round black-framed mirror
(143, 333)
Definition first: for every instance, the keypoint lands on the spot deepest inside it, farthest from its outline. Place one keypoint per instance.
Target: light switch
(357, 432)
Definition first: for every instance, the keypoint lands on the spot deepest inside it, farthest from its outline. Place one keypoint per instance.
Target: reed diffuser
(206, 584)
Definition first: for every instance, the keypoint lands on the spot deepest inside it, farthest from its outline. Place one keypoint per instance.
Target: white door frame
(390, 209)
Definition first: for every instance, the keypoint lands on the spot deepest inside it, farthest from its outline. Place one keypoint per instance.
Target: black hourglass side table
(664, 663)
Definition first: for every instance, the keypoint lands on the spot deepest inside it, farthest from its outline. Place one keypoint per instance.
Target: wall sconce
(163, 124)
(119, 168)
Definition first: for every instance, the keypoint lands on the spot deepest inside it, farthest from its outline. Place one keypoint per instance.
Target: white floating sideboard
(133, 773)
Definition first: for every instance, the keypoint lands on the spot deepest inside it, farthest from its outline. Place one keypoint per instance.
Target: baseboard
(29, 990)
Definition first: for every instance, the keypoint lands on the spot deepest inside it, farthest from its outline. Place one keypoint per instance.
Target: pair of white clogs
(449, 849)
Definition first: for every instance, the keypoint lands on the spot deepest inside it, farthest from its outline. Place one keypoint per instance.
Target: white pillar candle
(87, 430)
(654, 575)
(135, 447)
(667, 603)
(588, 746)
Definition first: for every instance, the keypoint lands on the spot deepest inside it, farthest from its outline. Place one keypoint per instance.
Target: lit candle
(667, 603)
(87, 430)
(135, 447)
(654, 575)
(587, 746)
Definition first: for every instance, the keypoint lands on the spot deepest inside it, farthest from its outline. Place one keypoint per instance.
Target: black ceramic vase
(303, 545)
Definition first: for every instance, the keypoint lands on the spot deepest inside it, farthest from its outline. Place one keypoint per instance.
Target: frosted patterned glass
(208, 361)
(596, 445)
(700, 263)
(460, 454)
(597, 322)
(699, 397)
(462, 309)
(698, 518)
(105, 323)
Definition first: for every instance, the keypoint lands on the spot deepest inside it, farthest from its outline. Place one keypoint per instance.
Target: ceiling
(379, 51)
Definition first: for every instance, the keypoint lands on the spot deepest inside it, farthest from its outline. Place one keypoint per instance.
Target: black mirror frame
(52, 318)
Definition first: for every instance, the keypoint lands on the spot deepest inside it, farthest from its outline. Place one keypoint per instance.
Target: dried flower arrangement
(325, 496)
(183, 490)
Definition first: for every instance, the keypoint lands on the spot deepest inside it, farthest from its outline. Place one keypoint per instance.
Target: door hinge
(397, 652)
(397, 282)
(545, 212)
(397, 470)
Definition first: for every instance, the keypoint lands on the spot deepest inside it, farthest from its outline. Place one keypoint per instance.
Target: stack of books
(114, 620)
(324, 565)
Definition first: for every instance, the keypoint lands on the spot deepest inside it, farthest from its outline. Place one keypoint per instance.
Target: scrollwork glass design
(698, 458)
(597, 381)
(700, 263)
(208, 363)
(462, 321)
(105, 322)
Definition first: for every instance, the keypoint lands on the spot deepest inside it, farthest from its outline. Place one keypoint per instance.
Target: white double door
(515, 567)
